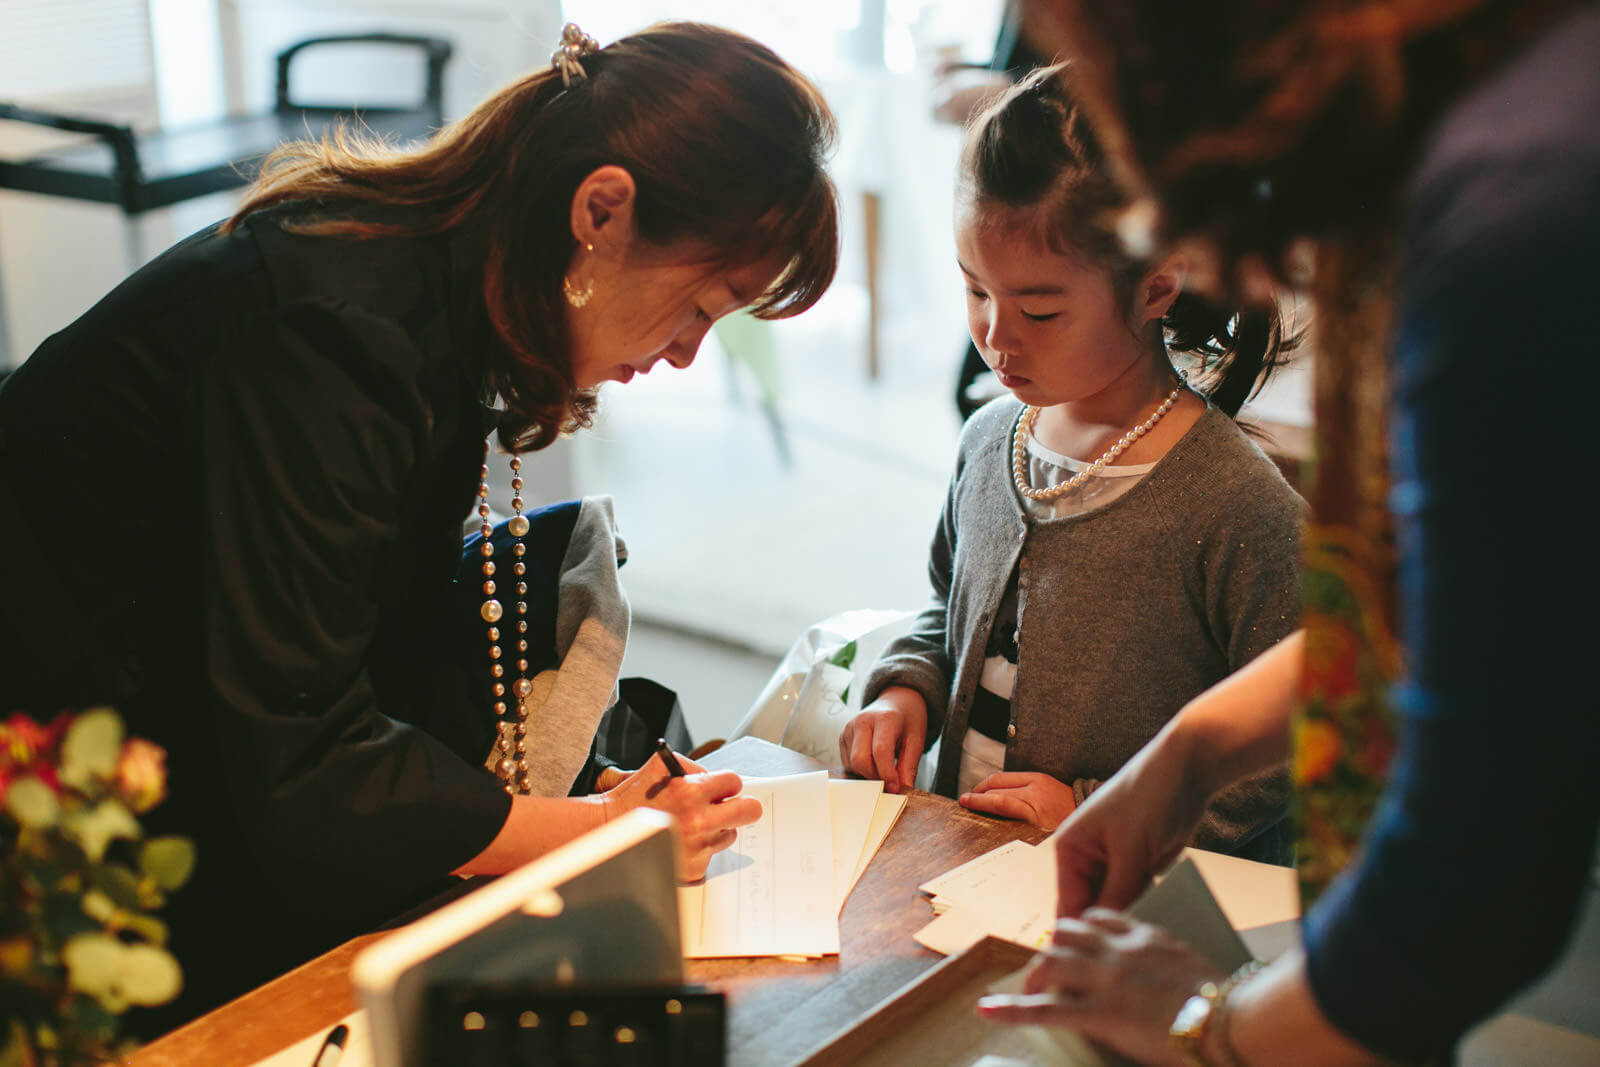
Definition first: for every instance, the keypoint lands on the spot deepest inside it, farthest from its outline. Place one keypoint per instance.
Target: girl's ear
(1160, 288)
(602, 211)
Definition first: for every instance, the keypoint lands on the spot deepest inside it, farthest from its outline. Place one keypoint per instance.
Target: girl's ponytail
(1237, 351)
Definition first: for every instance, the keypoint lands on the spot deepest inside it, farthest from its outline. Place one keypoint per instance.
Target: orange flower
(142, 774)
(1317, 750)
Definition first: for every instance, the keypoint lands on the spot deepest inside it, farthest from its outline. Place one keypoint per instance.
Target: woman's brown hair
(725, 143)
(1254, 123)
(1032, 150)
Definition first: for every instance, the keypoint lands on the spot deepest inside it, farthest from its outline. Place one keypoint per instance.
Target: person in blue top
(1467, 132)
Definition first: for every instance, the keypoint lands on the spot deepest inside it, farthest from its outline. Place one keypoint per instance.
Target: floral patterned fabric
(1344, 726)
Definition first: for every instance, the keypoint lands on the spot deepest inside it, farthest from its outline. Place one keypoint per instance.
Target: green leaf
(123, 886)
(94, 829)
(92, 1021)
(148, 975)
(98, 906)
(91, 747)
(63, 917)
(92, 963)
(148, 927)
(32, 803)
(845, 656)
(167, 861)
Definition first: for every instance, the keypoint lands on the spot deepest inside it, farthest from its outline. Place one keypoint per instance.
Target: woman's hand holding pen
(706, 806)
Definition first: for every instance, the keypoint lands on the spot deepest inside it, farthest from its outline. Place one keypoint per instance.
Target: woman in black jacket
(231, 494)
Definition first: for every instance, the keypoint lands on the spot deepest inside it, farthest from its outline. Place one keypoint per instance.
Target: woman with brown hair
(280, 424)
(1433, 170)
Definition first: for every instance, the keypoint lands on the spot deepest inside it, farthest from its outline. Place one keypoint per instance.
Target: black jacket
(231, 498)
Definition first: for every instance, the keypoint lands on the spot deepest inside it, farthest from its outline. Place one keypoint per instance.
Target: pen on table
(332, 1047)
(668, 760)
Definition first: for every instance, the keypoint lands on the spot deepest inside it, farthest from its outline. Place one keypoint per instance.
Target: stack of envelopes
(779, 889)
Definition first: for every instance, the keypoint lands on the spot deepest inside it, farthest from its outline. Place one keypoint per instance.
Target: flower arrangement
(78, 884)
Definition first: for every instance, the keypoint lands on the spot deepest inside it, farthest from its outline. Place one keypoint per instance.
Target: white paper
(957, 875)
(851, 804)
(773, 891)
(1009, 893)
(1250, 894)
(357, 1046)
(884, 815)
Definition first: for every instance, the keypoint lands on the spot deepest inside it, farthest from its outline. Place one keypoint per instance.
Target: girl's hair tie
(575, 44)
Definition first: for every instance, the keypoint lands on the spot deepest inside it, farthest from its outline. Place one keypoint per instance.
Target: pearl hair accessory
(1019, 449)
(575, 44)
(511, 745)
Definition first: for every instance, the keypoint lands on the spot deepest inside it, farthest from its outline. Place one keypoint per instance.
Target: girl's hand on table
(885, 739)
(705, 805)
(1112, 979)
(1027, 795)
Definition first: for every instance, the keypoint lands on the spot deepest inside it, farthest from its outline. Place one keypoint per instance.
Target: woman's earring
(578, 296)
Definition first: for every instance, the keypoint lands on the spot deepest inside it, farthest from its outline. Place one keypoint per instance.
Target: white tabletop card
(974, 868)
(773, 891)
(1010, 893)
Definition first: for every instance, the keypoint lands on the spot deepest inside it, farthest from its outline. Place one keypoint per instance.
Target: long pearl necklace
(511, 745)
(1019, 449)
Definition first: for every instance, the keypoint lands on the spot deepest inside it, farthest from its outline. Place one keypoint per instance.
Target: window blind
(55, 47)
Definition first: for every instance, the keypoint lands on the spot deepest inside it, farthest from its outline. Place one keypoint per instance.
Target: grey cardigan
(1125, 613)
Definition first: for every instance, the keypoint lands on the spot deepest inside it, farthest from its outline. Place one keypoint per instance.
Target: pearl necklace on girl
(1019, 449)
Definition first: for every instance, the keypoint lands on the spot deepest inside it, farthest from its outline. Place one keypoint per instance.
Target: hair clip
(575, 44)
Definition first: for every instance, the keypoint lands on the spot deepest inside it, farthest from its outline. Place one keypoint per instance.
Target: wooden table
(777, 1010)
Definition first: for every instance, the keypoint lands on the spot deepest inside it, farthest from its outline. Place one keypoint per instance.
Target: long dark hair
(1032, 149)
(725, 143)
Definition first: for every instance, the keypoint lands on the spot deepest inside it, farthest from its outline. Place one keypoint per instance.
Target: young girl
(1112, 543)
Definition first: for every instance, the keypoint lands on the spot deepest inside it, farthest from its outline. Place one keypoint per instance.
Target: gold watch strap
(1205, 1011)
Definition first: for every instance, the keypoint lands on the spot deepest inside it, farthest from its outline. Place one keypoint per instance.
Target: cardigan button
(1011, 730)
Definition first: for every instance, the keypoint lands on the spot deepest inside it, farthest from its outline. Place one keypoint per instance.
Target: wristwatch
(1208, 1008)
(1194, 1019)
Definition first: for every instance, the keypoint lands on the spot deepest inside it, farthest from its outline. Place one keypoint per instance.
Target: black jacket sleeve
(310, 431)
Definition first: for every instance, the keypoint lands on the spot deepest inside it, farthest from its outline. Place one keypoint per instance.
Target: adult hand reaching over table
(1135, 824)
(1116, 980)
(705, 805)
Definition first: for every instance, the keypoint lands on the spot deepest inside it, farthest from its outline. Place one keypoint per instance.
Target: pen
(674, 768)
(668, 760)
(332, 1047)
